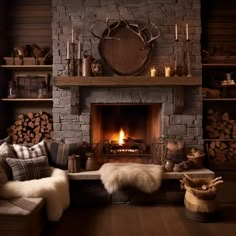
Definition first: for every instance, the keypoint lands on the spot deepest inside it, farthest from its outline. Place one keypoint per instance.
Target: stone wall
(71, 107)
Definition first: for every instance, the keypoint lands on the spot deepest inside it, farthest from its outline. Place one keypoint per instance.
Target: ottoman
(22, 216)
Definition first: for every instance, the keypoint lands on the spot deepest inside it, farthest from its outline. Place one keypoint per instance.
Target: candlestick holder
(67, 66)
(73, 63)
(79, 67)
(188, 58)
(176, 56)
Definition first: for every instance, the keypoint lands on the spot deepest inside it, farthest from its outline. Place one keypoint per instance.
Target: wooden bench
(194, 173)
(87, 189)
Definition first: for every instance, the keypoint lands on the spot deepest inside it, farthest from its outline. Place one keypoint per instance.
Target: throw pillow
(6, 150)
(7, 140)
(59, 152)
(24, 152)
(3, 176)
(27, 169)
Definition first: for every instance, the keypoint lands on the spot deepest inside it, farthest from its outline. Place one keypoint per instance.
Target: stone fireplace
(87, 112)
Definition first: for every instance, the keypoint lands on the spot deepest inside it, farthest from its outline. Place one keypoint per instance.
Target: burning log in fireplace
(129, 146)
(121, 143)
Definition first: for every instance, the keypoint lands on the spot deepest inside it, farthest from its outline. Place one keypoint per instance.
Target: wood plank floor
(130, 220)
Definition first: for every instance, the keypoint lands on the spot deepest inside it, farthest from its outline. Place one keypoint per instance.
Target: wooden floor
(130, 220)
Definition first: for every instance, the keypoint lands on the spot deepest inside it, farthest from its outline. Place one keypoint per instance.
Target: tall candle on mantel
(176, 32)
(72, 35)
(67, 50)
(79, 51)
(187, 32)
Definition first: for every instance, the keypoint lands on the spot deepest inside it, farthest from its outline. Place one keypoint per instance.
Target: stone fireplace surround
(181, 112)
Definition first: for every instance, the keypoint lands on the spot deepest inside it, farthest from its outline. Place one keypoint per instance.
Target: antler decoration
(110, 27)
(147, 35)
(138, 31)
(151, 32)
(144, 33)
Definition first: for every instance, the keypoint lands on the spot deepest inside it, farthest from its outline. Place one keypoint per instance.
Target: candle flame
(121, 137)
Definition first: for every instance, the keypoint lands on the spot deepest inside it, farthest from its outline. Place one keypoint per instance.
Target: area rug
(55, 189)
(145, 177)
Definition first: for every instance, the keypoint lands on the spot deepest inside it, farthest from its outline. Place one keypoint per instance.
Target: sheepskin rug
(145, 177)
(55, 189)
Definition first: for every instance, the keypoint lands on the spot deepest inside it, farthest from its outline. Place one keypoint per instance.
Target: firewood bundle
(222, 151)
(220, 126)
(31, 128)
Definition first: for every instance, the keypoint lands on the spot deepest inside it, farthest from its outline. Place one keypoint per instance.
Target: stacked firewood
(222, 151)
(220, 126)
(31, 128)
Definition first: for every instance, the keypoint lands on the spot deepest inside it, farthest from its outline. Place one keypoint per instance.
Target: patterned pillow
(6, 150)
(27, 169)
(3, 176)
(24, 152)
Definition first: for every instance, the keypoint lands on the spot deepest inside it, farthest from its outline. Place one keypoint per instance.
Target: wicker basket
(197, 162)
(200, 204)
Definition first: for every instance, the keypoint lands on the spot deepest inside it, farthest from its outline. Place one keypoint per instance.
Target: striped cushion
(24, 152)
(59, 152)
(27, 169)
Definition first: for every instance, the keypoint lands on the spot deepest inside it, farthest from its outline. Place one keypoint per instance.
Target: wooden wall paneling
(22, 22)
(219, 27)
(30, 23)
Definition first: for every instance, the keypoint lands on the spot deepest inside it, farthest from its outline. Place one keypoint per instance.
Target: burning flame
(121, 137)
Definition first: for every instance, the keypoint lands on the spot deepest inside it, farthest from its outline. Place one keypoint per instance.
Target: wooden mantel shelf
(125, 81)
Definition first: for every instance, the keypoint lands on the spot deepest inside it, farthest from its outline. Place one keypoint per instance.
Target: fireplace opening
(124, 132)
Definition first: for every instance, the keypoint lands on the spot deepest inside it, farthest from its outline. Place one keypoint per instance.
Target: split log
(222, 151)
(31, 128)
(220, 125)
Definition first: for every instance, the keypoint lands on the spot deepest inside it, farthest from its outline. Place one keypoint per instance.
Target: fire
(121, 137)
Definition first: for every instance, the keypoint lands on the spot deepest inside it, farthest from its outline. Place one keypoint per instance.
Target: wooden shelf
(125, 81)
(220, 140)
(27, 67)
(27, 99)
(219, 99)
(219, 64)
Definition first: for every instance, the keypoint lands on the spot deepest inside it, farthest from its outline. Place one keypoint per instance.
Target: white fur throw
(55, 189)
(145, 177)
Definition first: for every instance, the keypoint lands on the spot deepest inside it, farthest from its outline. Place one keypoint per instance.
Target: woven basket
(200, 204)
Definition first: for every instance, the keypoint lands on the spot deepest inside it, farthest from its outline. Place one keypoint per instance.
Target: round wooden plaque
(124, 51)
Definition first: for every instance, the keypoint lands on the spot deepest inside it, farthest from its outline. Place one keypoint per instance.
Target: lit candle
(167, 71)
(186, 31)
(79, 51)
(68, 50)
(176, 32)
(153, 72)
(72, 35)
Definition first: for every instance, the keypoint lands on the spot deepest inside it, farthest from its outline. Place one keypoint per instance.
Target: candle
(176, 32)
(79, 51)
(68, 50)
(186, 31)
(167, 71)
(72, 35)
(153, 72)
